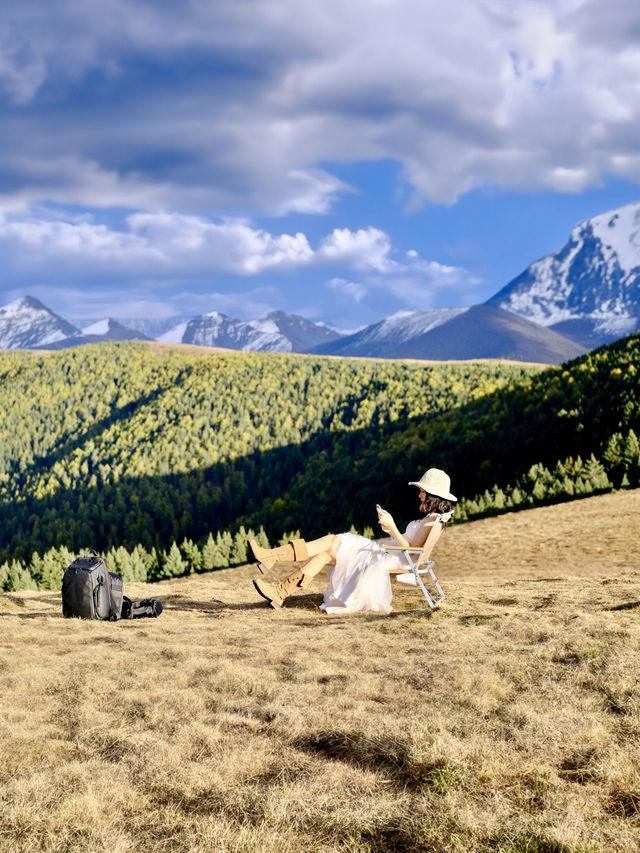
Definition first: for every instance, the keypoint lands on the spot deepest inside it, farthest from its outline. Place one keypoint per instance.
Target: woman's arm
(389, 526)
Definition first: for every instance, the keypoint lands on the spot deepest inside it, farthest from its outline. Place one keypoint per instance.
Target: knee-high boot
(275, 594)
(293, 551)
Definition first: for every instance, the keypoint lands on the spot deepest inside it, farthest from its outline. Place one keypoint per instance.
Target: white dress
(360, 578)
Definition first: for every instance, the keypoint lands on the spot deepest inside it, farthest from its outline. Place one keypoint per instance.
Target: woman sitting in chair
(358, 568)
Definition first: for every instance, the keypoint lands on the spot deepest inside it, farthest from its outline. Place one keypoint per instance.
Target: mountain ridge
(574, 299)
(590, 287)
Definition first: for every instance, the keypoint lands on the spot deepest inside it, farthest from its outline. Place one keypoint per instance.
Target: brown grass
(508, 720)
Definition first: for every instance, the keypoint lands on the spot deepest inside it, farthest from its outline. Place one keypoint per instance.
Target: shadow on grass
(50, 614)
(390, 756)
(177, 602)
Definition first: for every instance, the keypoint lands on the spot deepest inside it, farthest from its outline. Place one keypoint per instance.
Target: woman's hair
(432, 503)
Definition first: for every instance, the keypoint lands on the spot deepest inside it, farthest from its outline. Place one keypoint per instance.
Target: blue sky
(342, 161)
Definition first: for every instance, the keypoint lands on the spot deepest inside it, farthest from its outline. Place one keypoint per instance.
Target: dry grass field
(507, 720)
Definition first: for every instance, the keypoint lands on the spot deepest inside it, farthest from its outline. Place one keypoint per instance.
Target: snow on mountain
(111, 330)
(28, 323)
(591, 285)
(386, 336)
(175, 334)
(277, 332)
(220, 330)
(154, 327)
(302, 333)
(100, 327)
(97, 332)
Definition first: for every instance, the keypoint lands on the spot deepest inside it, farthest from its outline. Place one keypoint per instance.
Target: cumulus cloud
(414, 284)
(168, 244)
(166, 251)
(541, 93)
(364, 249)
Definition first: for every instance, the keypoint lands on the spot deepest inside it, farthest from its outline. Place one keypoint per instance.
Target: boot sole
(271, 601)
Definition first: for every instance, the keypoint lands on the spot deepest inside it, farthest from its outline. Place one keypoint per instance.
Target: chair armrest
(402, 548)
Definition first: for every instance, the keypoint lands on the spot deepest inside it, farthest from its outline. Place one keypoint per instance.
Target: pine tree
(239, 554)
(631, 457)
(35, 568)
(192, 555)
(174, 566)
(261, 538)
(613, 457)
(224, 544)
(210, 554)
(153, 566)
(138, 563)
(19, 578)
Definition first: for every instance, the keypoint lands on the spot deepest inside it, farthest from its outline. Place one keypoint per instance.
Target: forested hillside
(166, 453)
(551, 436)
(122, 444)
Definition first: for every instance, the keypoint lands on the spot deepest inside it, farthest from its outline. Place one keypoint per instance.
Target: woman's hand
(385, 519)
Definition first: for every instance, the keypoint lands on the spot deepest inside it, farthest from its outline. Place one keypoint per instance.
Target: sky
(339, 160)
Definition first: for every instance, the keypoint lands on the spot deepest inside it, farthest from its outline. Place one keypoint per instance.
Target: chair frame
(414, 568)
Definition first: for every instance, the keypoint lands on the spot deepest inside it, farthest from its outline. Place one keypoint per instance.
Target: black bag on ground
(148, 607)
(90, 591)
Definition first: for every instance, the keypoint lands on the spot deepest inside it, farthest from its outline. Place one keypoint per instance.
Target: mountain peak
(590, 285)
(26, 323)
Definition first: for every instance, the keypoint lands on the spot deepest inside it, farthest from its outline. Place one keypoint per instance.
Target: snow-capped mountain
(585, 294)
(277, 332)
(589, 289)
(484, 331)
(303, 334)
(383, 338)
(111, 330)
(153, 327)
(27, 323)
(100, 330)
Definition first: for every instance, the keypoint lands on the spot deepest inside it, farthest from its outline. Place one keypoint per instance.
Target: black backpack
(148, 607)
(90, 590)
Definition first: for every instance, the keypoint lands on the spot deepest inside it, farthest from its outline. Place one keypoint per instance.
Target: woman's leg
(325, 544)
(323, 553)
(293, 552)
(315, 565)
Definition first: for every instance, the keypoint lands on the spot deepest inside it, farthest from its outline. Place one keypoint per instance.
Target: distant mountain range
(278, 332)
(572, 300)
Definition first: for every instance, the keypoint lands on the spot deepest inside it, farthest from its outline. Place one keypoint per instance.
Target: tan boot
(275, 594)
(293, 551)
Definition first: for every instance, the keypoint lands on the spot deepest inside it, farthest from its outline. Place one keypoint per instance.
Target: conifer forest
(166, 460)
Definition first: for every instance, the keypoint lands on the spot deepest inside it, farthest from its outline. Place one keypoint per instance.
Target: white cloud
(527, 95)
(167, 251)
(173, 245)
(416, 284)
(365, 249)
(353, 290)
(167, 245)
(229, 246)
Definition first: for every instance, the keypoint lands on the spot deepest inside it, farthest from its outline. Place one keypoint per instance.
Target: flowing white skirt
(360, 578)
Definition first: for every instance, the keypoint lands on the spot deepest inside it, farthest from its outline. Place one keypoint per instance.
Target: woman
(358, 569)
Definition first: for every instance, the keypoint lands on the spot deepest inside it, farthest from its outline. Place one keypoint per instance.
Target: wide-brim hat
(436, 482)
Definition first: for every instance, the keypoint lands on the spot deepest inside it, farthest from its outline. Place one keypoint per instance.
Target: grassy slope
(508, 720)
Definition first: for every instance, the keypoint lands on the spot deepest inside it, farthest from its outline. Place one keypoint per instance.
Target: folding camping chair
(414, 566)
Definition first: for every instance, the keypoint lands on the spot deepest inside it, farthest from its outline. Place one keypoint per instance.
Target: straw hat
(436, 482)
